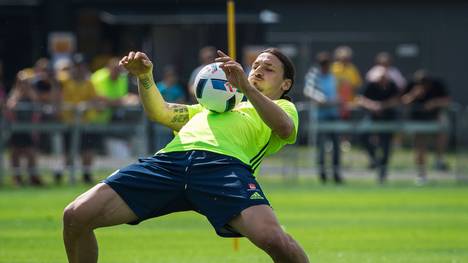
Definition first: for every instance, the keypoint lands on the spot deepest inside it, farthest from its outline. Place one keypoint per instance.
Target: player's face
(267, 76)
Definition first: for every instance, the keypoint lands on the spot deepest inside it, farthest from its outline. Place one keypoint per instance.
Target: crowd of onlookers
(69, 88)
(57, 91)
(337, 86)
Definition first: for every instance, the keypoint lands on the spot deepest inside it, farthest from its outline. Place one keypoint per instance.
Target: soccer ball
(213, 91)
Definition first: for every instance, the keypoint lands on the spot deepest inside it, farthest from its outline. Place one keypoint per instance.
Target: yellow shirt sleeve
(276, 143)
(194, 109)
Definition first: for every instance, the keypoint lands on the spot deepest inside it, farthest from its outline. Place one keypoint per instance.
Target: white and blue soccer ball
(213, 91)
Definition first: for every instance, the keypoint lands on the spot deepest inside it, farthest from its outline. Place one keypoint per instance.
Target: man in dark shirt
(427, 97)
(379, 98)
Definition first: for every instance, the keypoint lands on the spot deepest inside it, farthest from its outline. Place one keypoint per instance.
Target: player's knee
(273, 241)
(74, 217)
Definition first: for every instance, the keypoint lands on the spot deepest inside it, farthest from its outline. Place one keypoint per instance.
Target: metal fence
(300, 159)
(295, 160)
(136, 126)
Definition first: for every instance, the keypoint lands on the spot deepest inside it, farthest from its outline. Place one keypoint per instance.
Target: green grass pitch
(358, 222)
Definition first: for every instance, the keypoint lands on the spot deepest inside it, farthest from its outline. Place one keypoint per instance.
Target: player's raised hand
(234, 72)
(137, 63)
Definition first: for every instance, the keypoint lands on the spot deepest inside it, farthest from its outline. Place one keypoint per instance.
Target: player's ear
(286, 84)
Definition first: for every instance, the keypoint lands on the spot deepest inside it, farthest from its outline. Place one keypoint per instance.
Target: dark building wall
(19, 40)
(438, 29)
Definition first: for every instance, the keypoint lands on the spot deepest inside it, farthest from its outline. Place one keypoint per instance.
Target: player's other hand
(137, 63)
(234, 72)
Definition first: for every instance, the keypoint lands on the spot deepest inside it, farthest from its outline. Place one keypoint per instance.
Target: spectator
(349, 79)
(47, 89)
(78, 93)
(321, 87)
(172, 92)
(426, 97)
(206, 56)
(385, 59)
(169, 86)
(20, 108)
(112, 84)
(379, 98)
(62, 69)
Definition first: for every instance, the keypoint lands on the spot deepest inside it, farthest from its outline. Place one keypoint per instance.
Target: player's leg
(369, 145)
(15, 161)
(87, 157)
(31, 156)
(441, 144)
(152, 187)
(89, 144)
(220, 187)
(260, 226)
(321, 139)
(385, 140)
(98, 207)
(335, 140)
(420, 142)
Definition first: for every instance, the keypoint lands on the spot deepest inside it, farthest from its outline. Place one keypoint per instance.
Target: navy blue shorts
(214, 185)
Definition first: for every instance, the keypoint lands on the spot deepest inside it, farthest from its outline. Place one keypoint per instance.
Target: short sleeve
(276, 143)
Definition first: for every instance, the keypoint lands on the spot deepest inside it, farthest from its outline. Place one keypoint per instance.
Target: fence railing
(139, 127)
(55, 128)
(455, 125)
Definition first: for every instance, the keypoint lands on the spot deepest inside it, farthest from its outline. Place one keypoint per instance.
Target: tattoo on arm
(146, 82)
(180, 113)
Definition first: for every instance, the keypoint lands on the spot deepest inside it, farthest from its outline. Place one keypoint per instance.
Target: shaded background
(430, 35)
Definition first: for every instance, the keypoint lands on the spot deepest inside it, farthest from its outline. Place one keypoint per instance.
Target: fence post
(75, 142)
(312, 132)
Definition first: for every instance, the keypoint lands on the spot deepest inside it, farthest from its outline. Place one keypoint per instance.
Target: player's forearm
(151, 98)
(172, 115)
(441, 102)
(365, 102)
(275, 117)
(391, 103)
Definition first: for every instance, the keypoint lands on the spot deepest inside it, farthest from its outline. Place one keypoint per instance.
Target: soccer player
(208, 167)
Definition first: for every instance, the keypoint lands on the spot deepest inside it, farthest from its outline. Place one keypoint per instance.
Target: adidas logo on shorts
(256, 195)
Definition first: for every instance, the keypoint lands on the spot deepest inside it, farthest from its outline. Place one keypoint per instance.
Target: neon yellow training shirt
(239, 133)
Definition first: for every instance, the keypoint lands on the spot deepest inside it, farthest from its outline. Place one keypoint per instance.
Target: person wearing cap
(385, 59)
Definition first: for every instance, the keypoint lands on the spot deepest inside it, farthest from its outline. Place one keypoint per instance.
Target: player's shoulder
(285, 104)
